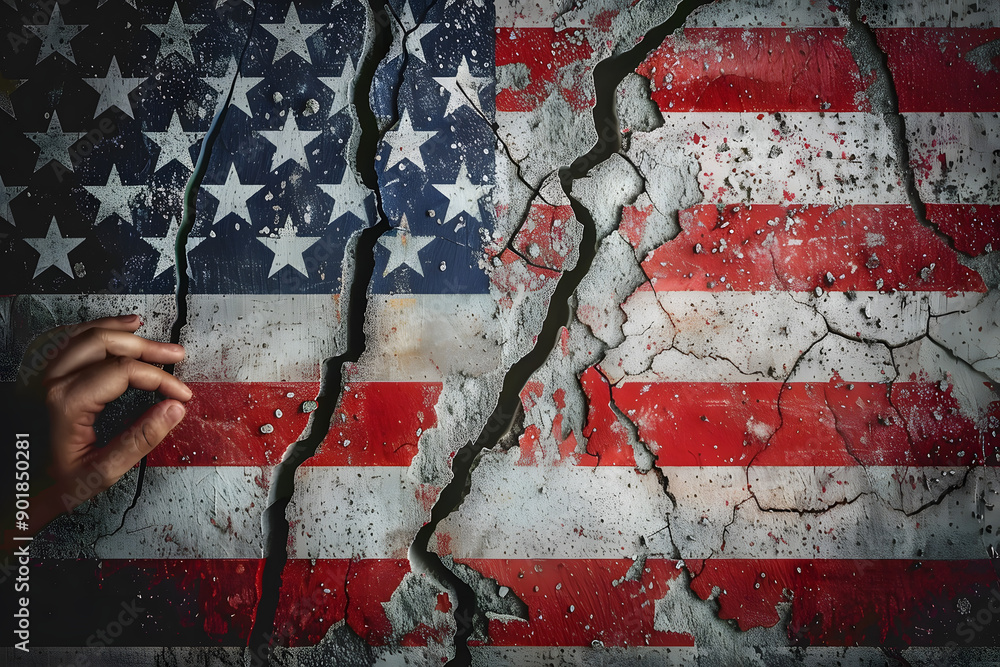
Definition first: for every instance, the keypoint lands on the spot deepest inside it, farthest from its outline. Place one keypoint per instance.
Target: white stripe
(183, 513)
(932, 14)
(285, 338)
(348, 512)
(33, 314)
(259, 338)
(204, 512)
(970, 142)
(429, 337)
(101, 655)
(551, 13)
(759, 336)
(773, 14)
(798, 170)
(877, 14)
(544, 656)
(579, 512)
(216, 656)
(575, 512)
(548, 137)
(973, 335)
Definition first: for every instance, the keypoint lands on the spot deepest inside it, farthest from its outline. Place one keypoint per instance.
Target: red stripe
(381, 421)
(931, 72)
(379, 424)
(548, 59)
(975, 228)
(855, 602)
(315, 594)
(772, 69)
(143, 602)
(767, 246)
(783, 69)
(831, 603)
(570, 602)
(546, 236)
(821, 424)
(578, 602)
(607, 437)
(514, 275)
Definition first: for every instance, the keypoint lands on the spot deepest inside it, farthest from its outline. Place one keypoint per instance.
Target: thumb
(139, 439)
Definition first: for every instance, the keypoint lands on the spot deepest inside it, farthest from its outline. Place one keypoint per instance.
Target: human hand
(94, 363)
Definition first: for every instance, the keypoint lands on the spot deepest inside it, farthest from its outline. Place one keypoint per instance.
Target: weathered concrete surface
(765, 431)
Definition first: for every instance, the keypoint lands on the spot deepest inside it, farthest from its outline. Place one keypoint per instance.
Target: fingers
(118, 323)
(89, 389)
(61, 335)
(75, 400)
(47, 350)
(99, 343)
(138, 440)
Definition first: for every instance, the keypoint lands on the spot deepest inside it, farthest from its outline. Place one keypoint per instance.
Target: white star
(54, 144)
(243, 86)
(174, 143)
(8, 192)
(166, 246)
(292, 35)
(53, 250)
(56, 36)
(290, 143)
(117, 198)
(175, 35)
(232, 196)
(343, 202)
(114, 89)
(405, 142)
(403, 248)
(342, 86)
(414, 41)
(463, 88)
(7, 88)
(414, 34)
(463, 195)
(288, 248)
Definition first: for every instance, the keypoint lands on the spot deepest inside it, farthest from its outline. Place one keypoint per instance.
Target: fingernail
(175, 413)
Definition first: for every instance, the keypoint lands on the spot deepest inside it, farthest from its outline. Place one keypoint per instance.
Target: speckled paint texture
(592, 332)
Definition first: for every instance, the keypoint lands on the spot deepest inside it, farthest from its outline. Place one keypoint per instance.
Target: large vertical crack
(275, 524)
(608, 74)
(862, 42)
(181, 277)
(872, 59)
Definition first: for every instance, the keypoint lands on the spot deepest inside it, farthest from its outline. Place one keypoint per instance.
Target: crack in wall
(863, 45)
(607, 75)
(274, 522)
(181, 276)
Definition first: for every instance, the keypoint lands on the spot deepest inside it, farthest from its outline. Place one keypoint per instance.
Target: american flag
(767, 435)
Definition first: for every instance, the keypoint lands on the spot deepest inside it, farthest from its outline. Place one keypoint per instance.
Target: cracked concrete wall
(525, 332)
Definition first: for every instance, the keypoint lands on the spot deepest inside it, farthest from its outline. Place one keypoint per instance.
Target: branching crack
(607, 75)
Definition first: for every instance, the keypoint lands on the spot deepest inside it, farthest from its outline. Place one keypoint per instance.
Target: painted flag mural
(520, 333)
